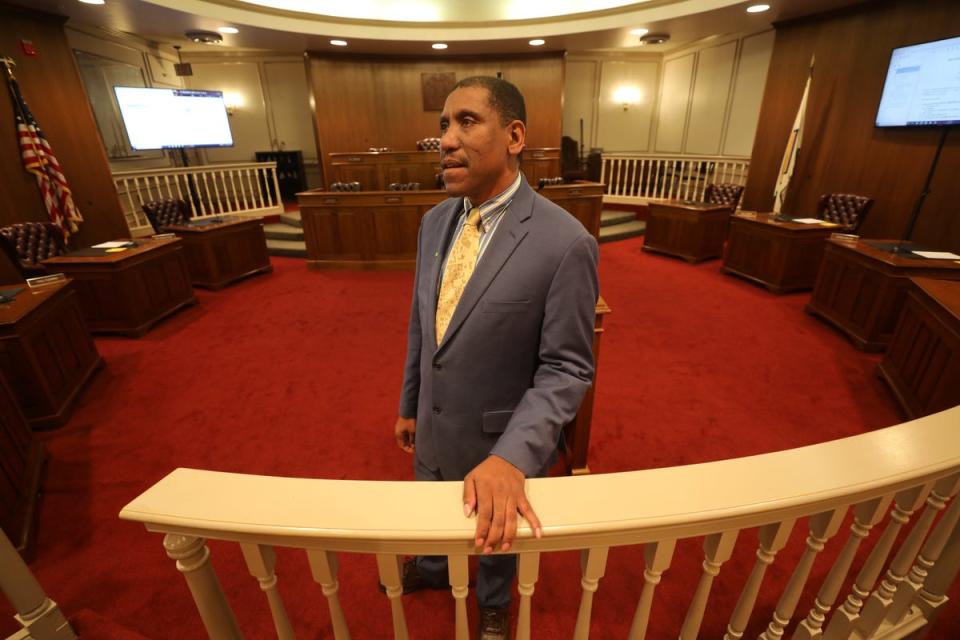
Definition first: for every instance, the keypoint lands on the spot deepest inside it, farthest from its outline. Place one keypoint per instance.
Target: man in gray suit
(500, 338)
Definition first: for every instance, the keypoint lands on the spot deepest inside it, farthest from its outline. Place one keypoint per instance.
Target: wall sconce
(627, 96)
(232, 101)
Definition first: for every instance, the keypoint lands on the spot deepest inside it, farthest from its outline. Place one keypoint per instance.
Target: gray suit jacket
(517, 357)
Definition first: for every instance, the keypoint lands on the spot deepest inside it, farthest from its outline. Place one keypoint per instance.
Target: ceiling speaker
(654, 38)
(205, 37)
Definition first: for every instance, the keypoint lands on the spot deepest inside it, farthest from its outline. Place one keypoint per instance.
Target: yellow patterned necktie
(460, 265)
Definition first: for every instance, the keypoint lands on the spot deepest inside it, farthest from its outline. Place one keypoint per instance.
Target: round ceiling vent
(205, 37)
(654, 38)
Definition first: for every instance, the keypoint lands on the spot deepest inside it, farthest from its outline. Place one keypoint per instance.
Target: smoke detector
(654, 38)
(205, 37)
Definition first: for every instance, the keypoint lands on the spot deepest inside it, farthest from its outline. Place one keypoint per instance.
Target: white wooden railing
(38, 616)
(248, 188)
(900, 480)
(635, 178)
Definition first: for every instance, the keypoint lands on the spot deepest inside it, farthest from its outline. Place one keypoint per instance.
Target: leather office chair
(162, 213)
(725, 193)
(846, 209)
(346, 186)
(27, 243)
(547, 182)
(428, 144)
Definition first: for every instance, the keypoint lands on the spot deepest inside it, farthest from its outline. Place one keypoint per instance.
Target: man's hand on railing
(495, 490)
(404, 432)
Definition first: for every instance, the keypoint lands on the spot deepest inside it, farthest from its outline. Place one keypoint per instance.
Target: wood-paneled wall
(842, 149)
(363, 102)
(52, 88)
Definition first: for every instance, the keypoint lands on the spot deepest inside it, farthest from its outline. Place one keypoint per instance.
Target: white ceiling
(468, 26)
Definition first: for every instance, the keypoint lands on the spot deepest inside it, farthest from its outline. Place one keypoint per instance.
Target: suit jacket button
(437, 366)
(436, 410)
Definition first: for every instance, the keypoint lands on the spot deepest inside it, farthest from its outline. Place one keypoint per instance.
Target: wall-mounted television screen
(923, 86)
(173, 118)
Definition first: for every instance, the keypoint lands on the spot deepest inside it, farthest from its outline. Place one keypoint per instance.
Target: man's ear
(518, 137)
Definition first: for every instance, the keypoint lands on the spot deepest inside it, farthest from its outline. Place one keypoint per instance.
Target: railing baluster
(277, 201)
(206, 190)
(658, 180)
(245, 185)
(389, 568)
(876, 606)
(632, 181)
(943, 574)
(909, 589)
(593, 562)
(262, 563)
(772, 538)
(845, 617)
(823, 527)
(527, 573)
(260, 179)
(866, 515)
(615, 177)
(459, 571)
(603, 172)
(193, 561)
(717, 549)
(657, 556)
(323, 567)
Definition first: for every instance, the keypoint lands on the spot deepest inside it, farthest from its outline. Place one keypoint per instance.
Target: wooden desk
(376, 170)
(576, 435)
(694, 231)
(781, 256)
(378, 229)
(861, 290)
(220, 253)
(922, 363)
(46, 352)
(130, 291)
(21, 469)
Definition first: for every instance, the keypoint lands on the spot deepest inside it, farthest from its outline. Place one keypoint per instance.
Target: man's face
(475, 147)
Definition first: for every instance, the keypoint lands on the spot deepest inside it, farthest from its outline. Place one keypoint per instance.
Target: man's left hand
(495, 489)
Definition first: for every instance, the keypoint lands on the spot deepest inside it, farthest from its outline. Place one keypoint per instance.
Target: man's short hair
(505, 98)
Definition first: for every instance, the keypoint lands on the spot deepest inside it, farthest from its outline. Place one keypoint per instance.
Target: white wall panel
(580, 99)
(290, 107)
(748, 88)
(711, 89)
(626, 130)
(249, 122)
(674, 99)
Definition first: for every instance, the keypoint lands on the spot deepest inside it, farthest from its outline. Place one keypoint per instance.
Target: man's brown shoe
(494, 623)
(411, 579)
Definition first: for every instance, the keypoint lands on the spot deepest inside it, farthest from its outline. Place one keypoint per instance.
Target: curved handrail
(603, 509)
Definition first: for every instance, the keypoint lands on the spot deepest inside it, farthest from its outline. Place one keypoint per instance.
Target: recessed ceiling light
(93, 1)
(439, 45)
(757, 8)
(228, 30)
(338, 43)
(639, 32)
(537, 42)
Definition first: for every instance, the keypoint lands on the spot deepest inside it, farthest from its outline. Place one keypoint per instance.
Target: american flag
(38, 159)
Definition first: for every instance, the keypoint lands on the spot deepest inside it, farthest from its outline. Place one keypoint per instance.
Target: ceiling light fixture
(204, 37)
(758, 8)
(439, 45)
(338, 43)
(538, 42)
(230, 30)
(639, 32)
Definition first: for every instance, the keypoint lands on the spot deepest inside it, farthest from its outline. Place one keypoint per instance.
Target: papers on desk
(936, 255)
(813, 221)
(113, 244)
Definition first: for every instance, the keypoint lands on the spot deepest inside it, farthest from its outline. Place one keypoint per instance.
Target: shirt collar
(496, 204)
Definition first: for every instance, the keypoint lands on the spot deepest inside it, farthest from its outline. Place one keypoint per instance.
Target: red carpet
(297, 373)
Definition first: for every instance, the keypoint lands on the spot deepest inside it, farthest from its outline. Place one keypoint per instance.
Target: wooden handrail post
(193, 561)
(39, 616)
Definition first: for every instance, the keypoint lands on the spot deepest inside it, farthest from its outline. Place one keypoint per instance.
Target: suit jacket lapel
(508, 236)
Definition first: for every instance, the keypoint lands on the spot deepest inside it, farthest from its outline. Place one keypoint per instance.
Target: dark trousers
(495, 574)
